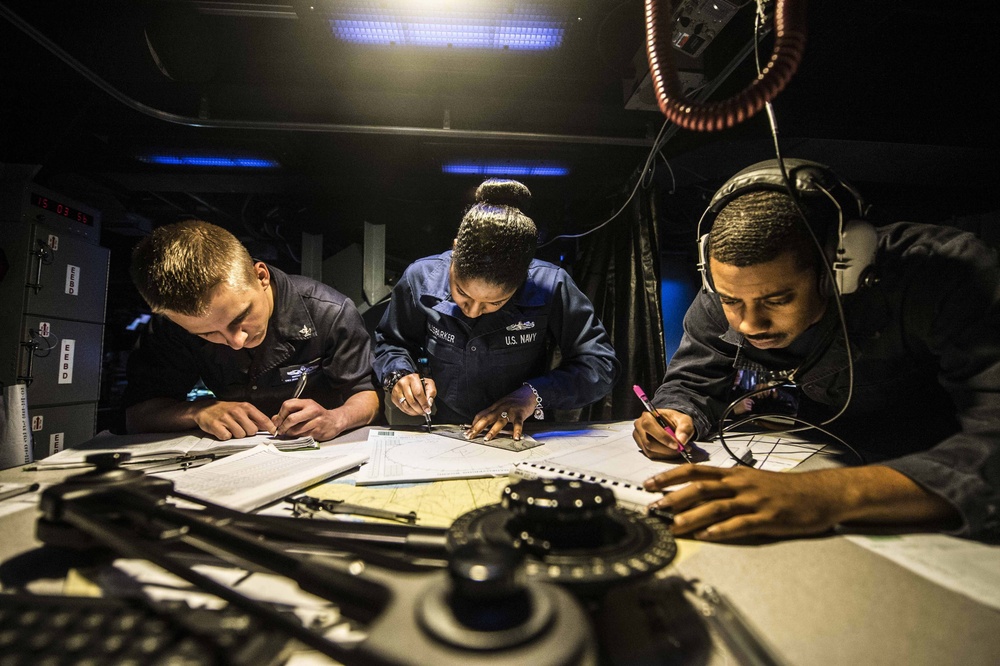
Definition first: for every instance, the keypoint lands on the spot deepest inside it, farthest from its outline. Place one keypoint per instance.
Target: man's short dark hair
(759, 227)
(177, 266)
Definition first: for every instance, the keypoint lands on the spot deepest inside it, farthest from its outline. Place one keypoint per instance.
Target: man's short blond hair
(177, 266)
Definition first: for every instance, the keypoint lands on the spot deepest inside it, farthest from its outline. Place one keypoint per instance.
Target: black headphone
(850, 252)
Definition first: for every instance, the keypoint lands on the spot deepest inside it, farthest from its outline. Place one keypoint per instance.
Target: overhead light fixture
(217, 161)
(504, 168)
(472, 24)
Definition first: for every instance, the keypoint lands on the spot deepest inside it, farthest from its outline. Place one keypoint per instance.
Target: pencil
(15, 492)
(301, 385)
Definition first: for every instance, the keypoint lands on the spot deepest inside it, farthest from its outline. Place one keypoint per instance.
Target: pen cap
(642, 396)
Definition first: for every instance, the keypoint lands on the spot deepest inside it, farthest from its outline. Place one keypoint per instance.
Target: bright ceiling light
(515, 26)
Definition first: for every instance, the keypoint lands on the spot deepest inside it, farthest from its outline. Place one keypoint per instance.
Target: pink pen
(659, 419)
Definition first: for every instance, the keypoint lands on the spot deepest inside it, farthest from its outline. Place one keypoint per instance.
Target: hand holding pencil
(297, 415)
(659, 438)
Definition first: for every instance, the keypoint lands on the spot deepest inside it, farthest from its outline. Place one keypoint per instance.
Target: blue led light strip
(510, 169)
(220, 161)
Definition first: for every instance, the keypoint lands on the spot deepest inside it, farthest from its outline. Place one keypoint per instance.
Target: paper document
(409, 457)
(250, 479)
(967, 567)
(777, 452)
(605, 449)
(619, 464)
(165, 446)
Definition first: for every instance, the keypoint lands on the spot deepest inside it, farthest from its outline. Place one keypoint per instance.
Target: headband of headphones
(811, 180)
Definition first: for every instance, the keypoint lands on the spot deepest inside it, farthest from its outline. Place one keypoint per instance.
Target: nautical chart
(404, 457)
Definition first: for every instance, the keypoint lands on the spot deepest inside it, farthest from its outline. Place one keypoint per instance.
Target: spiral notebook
(618, 463)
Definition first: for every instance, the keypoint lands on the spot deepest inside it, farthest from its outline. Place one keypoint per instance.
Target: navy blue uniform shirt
(313, 329)
(925, 343)
(475, 362)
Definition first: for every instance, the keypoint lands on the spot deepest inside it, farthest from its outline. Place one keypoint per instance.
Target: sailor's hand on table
(514, 409)
(654, 440)
(228, 420)
(414, 395)
(725, 504)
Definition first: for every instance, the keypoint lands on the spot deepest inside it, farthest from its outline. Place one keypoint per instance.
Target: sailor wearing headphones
(891, 336)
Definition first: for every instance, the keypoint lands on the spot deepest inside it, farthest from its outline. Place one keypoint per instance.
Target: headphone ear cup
(854, 255)
(706, 277)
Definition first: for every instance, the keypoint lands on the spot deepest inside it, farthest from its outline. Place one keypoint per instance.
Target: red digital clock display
(59, 208)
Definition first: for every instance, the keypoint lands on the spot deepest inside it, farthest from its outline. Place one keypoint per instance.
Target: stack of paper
(154, 447)
(254, 478)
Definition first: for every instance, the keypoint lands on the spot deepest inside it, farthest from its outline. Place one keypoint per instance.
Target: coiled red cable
(789, 44)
